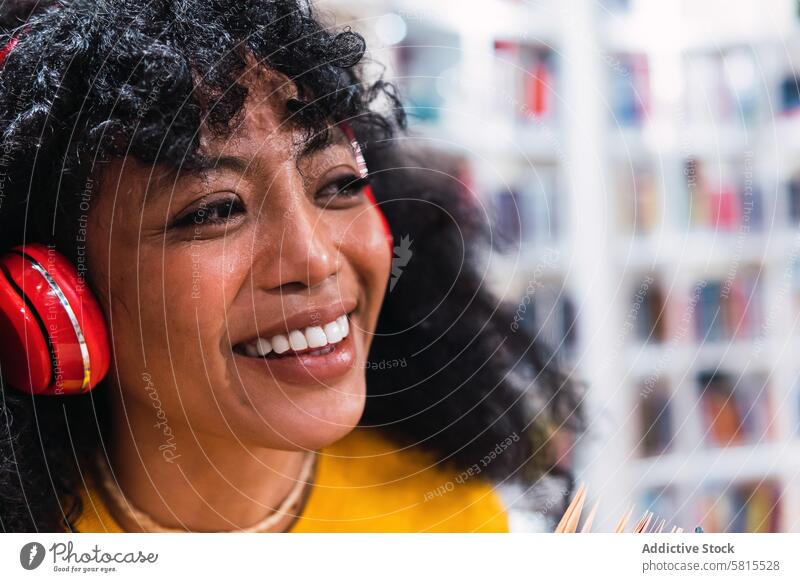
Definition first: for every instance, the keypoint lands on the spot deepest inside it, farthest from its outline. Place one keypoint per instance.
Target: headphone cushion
(24, 352)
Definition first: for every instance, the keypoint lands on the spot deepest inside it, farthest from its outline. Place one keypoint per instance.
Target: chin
(305, 399)
(310, 418)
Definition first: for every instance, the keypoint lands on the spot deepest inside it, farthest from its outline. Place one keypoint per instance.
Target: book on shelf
(738, 507)
(655, 417)
(707, 314)
(538, 88)
(724, 207)
(729, 310)
(528, 212)
(629, 88)
(640, 208)
(790, 94)
(507, 219)
(735, 409)
(649, 311)
(528, 72)
(723, 197)
(540, 204)
(745, 507)
(793, 199)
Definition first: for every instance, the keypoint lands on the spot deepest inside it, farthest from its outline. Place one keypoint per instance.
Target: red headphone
(53, 337)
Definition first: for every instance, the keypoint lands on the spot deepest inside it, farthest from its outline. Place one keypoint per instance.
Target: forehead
(265, 120)
(266, 125)
(262, 139)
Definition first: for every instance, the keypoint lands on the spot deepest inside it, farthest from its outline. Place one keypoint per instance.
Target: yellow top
(364, 483)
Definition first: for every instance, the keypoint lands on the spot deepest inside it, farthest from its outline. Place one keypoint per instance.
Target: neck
(184, 479)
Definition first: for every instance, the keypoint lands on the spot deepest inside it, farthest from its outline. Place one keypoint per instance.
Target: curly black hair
(89, 81)
(468, 378)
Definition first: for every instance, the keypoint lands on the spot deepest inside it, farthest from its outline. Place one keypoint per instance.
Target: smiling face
(244, 296)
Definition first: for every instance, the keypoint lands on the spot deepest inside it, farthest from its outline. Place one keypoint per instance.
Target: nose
(301, 253)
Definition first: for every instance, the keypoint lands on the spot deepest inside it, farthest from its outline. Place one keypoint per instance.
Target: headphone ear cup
(85, 307)
(73, 323)
(25, 357)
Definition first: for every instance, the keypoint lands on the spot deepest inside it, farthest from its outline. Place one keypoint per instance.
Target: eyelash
(213, 214)
(347, 186)
(223, 211)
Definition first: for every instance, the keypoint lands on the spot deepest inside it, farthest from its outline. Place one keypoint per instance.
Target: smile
(315, 340)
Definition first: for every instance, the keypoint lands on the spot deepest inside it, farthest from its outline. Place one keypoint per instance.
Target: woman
(195, 162)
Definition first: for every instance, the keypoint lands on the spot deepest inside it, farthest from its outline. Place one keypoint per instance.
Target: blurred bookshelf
(640, 163)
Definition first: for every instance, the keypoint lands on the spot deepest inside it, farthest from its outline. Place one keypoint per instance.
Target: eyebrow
(241, 165)
(233, 163)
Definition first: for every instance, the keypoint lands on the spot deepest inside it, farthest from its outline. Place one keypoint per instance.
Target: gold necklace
(149, 525)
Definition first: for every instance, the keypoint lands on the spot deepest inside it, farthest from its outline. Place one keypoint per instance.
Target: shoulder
(367, 483)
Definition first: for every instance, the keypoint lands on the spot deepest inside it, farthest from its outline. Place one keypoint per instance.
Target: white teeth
(280, 343)
(312, 337)
(315, 337)
(344, 323)
(263, 347)
(333, 332)
(297, 340)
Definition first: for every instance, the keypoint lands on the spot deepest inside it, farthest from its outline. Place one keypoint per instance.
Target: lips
(307, 348)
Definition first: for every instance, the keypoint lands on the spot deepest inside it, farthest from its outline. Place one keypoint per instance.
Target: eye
(211, 213)
(341, 191)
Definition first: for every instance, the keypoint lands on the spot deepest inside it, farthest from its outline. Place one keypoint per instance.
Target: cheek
(367, 249)
(191, 288)
(169, 304)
